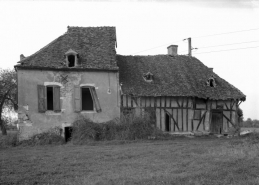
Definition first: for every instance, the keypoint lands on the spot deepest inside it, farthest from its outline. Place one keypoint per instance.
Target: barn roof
(172, 76)
(95, 47)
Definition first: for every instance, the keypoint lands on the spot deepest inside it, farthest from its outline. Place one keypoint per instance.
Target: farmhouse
(80, 74)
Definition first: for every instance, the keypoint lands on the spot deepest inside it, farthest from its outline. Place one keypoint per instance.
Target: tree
(8, 94)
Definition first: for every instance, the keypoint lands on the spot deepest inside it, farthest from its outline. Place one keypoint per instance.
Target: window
(71, 58)
(86, 99)
(148, 77)
(211, 82)
(48, 98)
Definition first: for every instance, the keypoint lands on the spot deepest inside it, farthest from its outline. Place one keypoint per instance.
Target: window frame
(53, 96)
(71, 52)
(81, 97)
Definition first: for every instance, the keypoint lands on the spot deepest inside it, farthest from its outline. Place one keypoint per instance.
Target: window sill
(88, 111)
(49, 112)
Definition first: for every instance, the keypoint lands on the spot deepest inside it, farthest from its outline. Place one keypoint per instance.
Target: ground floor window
(87, 100)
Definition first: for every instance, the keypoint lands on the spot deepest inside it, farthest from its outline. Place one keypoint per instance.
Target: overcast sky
(147, 28)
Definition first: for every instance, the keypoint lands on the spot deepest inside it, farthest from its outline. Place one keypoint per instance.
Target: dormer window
(148, 77)
(211, 81)
(71, 58)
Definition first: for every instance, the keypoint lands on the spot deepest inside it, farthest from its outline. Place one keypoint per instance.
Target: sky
(226, 32)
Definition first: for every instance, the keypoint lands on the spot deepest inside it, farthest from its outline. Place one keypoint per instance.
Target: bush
(11, 139)
(52, 136)
(128, 128)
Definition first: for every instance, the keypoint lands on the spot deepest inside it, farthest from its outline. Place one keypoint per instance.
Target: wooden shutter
(77, 98)
(56, 99)
(95, 99)
(41, 98)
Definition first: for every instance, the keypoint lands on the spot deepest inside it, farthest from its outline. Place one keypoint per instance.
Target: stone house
(80, 74)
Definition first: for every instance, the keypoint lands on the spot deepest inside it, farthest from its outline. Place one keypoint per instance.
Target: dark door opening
(217, 122)
(167, 122)
(68, 133)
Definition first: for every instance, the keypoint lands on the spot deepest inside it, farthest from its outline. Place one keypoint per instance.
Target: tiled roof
(172, 76)
(94, 45)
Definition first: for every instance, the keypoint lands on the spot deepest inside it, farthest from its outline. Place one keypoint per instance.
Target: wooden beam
(201, 119)
(226, 105)
(177, 102)
(228, 120)
(175, 123)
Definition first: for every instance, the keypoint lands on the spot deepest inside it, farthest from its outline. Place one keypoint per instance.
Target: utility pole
(190, 46)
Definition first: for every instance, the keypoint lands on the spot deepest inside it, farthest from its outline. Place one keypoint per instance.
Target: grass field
(179, 161)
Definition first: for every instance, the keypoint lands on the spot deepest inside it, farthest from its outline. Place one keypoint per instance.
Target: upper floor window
(148, 77)
(71, 58)
(211, 81)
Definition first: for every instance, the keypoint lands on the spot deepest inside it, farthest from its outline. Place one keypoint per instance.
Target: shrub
(52, 136)
(128, 128)
(11, 139)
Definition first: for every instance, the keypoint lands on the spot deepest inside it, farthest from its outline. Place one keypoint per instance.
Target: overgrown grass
(84, 130)
(180, 161)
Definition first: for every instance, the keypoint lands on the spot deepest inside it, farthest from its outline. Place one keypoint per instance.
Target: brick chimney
(172, 50)
(22, 57)
(211, 68)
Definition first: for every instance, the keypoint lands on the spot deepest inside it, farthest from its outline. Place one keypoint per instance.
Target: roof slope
(173, 76)
(95, 46)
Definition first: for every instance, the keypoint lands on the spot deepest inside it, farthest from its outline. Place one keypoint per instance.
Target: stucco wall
(31, 121)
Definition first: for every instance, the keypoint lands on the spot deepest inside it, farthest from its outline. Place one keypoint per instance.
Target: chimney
(22, 57)
(211, 68)
(172, 50)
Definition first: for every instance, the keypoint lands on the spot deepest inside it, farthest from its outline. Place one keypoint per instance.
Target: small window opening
(49, 98)
(211, 82)
(87, 100)
(148, 77)
(71, 60)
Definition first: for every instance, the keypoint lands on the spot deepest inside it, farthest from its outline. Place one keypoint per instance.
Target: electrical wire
(156, 47)
(226, 33)
(197, 37)
(228, 44)
(226, 50)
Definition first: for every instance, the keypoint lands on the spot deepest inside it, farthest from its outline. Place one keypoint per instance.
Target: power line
(195, 37)
(229, 44)
(156, 47)
(226, 33)
(227, 50)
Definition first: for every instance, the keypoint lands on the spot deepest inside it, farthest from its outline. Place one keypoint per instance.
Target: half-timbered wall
(184, 113)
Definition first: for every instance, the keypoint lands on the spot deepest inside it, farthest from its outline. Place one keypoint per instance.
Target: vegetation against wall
(8, 94)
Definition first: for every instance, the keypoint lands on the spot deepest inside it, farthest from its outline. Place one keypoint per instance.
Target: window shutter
(95, 99)
(56, 98)
(41, 98)
(77, 99)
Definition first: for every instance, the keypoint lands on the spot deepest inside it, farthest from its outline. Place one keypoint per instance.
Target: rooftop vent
(148, 77)
(172, 50)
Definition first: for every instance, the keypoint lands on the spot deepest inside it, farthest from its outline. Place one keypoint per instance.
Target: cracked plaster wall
(31, 121)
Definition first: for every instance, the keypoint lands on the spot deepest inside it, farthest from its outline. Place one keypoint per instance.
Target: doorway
(217, 122)
(167, 123)
(68, 133)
